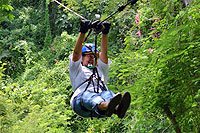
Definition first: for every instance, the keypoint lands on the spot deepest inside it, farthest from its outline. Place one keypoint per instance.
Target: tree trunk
(172, 119)
(52, 12)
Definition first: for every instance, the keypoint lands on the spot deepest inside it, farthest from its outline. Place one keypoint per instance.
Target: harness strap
(90, 80)
(82, 83)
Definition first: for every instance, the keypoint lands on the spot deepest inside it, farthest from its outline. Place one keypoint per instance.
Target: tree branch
(172, 118)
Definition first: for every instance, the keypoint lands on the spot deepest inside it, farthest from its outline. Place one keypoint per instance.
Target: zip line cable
(69, 9)
(121, 8)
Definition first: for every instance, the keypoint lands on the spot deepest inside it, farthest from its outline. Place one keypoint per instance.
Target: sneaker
(113, 104)
(124, 105)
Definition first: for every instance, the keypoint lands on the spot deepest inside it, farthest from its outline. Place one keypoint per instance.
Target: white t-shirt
(79, 74)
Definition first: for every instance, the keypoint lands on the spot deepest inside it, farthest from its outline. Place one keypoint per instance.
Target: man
(86, 101)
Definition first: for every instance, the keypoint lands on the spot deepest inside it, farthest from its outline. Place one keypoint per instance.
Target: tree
(5, 10)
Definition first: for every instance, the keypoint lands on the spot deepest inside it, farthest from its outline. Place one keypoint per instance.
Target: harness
(91, 80)
(97, 83)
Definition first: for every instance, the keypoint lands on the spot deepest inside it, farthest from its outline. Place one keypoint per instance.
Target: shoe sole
(112, 104)
(124, 105)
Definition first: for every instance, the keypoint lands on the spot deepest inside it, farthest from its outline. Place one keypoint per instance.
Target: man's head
(88, 51)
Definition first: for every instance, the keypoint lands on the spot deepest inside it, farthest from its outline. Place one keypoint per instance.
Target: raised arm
(104, 43)
(104, 48)
(77, 53)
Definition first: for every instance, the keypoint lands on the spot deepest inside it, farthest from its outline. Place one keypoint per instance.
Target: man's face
(88, 59)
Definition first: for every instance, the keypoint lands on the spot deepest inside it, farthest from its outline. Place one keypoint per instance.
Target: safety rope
(69, 9)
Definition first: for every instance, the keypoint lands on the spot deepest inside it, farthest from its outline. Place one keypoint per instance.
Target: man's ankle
(103, 105)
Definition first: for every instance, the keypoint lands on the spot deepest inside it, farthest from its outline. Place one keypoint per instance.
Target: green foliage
(5, 11)
(2, 69)
(60, 48)
(164, 73)
(29, 106)
(20, 39)
(17, 55)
